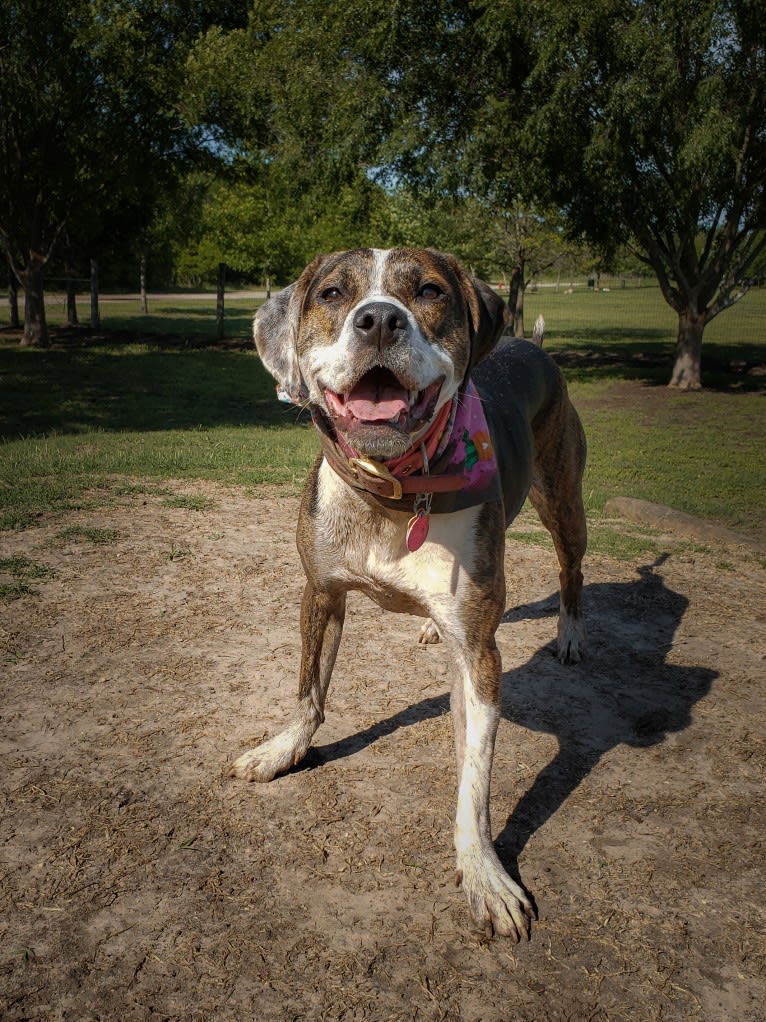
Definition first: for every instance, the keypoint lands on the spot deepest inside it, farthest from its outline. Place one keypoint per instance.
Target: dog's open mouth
(379, 399)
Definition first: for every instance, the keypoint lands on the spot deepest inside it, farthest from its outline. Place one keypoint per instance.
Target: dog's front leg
(322, 616)
(497, 903)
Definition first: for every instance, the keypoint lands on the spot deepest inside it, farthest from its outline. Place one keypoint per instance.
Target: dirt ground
(137, 881)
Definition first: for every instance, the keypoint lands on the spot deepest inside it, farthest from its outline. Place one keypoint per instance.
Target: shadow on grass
(118, 383)
(120, 380)
(176, 322)
(603, 355)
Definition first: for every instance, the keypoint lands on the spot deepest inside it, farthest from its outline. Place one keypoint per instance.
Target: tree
(524, 243)
(89, 128)
(292, 109)
(651, 121)
(642, 121)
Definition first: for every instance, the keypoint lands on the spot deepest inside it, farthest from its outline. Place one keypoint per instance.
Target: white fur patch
(375, 558)
(496, 902)
(283, 751)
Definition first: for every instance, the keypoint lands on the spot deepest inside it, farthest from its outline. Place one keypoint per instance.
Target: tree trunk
(71, 303)
(514, 290)
(35, 324)
(518, 312)
(13, 300)
(219, 303)
(95, 314)
(687, 370)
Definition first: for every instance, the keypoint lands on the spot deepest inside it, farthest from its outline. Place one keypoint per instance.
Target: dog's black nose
(380, 323)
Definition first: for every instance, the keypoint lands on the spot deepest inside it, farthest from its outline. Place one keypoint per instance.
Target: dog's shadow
(626, 693)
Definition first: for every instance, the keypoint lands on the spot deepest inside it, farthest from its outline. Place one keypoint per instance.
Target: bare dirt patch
(137, 881)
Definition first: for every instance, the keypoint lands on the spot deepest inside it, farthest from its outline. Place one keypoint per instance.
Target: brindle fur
(347, 540)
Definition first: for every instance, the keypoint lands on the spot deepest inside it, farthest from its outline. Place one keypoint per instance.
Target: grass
(630, 334)
(189, 502)
(94, 417)
(80, 416)
(182, 316)
(88, 534)
(16, 573)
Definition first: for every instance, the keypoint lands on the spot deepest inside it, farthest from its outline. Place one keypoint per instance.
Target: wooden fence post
(219, 300)
(71, 302)
(144, 303)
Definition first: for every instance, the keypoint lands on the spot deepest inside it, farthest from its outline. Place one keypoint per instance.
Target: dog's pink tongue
(372, 403)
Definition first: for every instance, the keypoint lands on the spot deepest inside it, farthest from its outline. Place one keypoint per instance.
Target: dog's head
(378, 341)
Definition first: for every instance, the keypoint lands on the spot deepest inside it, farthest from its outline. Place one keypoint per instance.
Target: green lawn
(636, 324)
(93, 415)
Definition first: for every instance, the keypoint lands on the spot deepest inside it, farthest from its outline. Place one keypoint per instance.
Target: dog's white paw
(498, 905)
(429, 633)
(571, 638)
(273, 757)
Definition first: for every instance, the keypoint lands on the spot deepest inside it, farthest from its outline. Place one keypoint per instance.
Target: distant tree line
(517, 134)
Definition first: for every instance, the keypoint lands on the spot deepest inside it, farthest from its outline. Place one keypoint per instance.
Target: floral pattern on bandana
(468, 446)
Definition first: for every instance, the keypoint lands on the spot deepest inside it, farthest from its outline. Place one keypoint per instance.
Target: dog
(433, 433)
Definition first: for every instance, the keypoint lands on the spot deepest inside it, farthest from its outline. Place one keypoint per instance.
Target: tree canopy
(638, 123)
(500, 128)
(651, 118)
(89, 125)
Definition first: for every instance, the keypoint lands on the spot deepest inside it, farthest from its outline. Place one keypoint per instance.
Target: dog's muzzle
(386, 406)
(379, 324)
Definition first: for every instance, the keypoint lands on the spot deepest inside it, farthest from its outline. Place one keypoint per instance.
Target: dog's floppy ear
(489, 315)
(487, 312)
(275, 329)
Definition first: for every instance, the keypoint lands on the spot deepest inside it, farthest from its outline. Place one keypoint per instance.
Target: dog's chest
(352, 545)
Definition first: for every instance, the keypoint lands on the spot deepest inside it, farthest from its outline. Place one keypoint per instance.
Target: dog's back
(522, 388)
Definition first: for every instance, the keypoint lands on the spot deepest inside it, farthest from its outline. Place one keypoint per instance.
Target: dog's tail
(538, 330)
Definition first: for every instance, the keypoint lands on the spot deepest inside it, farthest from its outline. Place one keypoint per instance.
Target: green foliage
(90, 132)
(654, 118)
(643, 123)
(262, 230)
(467, 125)
(81, 84)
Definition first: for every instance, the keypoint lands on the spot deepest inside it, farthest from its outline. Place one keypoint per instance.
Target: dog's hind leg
(322, 616)
(556, 495)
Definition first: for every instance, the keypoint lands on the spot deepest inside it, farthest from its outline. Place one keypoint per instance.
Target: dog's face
(378, 341)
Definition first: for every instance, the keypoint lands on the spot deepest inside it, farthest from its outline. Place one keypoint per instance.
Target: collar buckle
(370, 467)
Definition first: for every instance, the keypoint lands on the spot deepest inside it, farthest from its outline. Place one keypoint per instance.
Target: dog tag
(417, 531)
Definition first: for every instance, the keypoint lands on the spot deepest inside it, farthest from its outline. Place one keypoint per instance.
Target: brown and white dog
(380, 345)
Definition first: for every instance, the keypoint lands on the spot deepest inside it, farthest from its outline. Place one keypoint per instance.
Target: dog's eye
(331, 294)
(430, 292)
